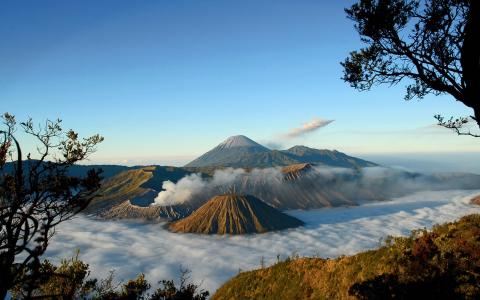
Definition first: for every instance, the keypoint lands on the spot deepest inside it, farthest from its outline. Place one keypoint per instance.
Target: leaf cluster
(71, 280)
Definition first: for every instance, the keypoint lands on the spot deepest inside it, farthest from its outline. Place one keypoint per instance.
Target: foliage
(71, 280)
(443, 263)
(38, 195)
(68, 281)
(168, 290)
(433, 43)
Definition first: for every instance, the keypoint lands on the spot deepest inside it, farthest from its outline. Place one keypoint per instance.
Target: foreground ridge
(440, 264)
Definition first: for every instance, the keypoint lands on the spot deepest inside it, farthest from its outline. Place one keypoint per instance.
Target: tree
(186, 291)
(71, 280)
(434, 43)
(38, 194)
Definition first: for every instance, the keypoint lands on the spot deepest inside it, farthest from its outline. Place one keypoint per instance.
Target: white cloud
(308, 127)
(131, 248)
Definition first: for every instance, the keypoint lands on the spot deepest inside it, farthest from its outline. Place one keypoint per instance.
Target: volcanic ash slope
(235, 214)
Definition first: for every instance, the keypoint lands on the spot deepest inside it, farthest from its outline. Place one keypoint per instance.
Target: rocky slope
(235, 214)
(300, 186)
(127, 210)
(475, 200)
(296, 171)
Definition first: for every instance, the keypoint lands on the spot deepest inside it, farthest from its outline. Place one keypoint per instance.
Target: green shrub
(71, 280)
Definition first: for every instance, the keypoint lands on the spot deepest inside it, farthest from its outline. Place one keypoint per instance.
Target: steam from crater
(316, 187)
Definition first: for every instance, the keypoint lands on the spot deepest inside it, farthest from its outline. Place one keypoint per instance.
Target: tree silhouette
(434, 43)
(71, 280)
(38, 195)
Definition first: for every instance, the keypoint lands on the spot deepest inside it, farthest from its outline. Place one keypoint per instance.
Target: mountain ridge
(430, 265)
(242, 152)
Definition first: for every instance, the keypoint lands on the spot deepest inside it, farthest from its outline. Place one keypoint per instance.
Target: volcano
(240, 151)
(235, 214)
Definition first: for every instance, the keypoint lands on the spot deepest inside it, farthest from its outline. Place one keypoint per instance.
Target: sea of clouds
(131, 248)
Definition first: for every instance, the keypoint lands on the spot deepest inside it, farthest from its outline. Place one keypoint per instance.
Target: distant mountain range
(238, 152)
(77, 170)
(296, 178)
(241, 152)
(129, 194)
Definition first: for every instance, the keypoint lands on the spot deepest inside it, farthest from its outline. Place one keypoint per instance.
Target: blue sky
(164, 81)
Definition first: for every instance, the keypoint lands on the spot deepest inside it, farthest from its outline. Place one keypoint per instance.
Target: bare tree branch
(37, 195)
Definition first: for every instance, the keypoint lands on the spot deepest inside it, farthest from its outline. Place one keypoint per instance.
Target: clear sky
(165, 81)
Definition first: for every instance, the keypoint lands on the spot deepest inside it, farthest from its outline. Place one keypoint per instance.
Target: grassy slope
(441, 264)
(134, 183)
(125, 185)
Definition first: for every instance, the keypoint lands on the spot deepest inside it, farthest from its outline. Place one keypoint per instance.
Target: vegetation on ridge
(443, 263)
(71, 280)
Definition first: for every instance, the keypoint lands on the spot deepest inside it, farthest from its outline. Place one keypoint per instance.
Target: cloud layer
(131, 248)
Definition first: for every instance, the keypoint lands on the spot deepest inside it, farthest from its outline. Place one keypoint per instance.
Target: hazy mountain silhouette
(241, 152)
(77, 170)
(331, 158)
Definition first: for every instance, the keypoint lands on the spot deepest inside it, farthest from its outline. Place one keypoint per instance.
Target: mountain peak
(230, 152)
(235, 214)
(298, 147)
(239, 151)
(239, 141)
